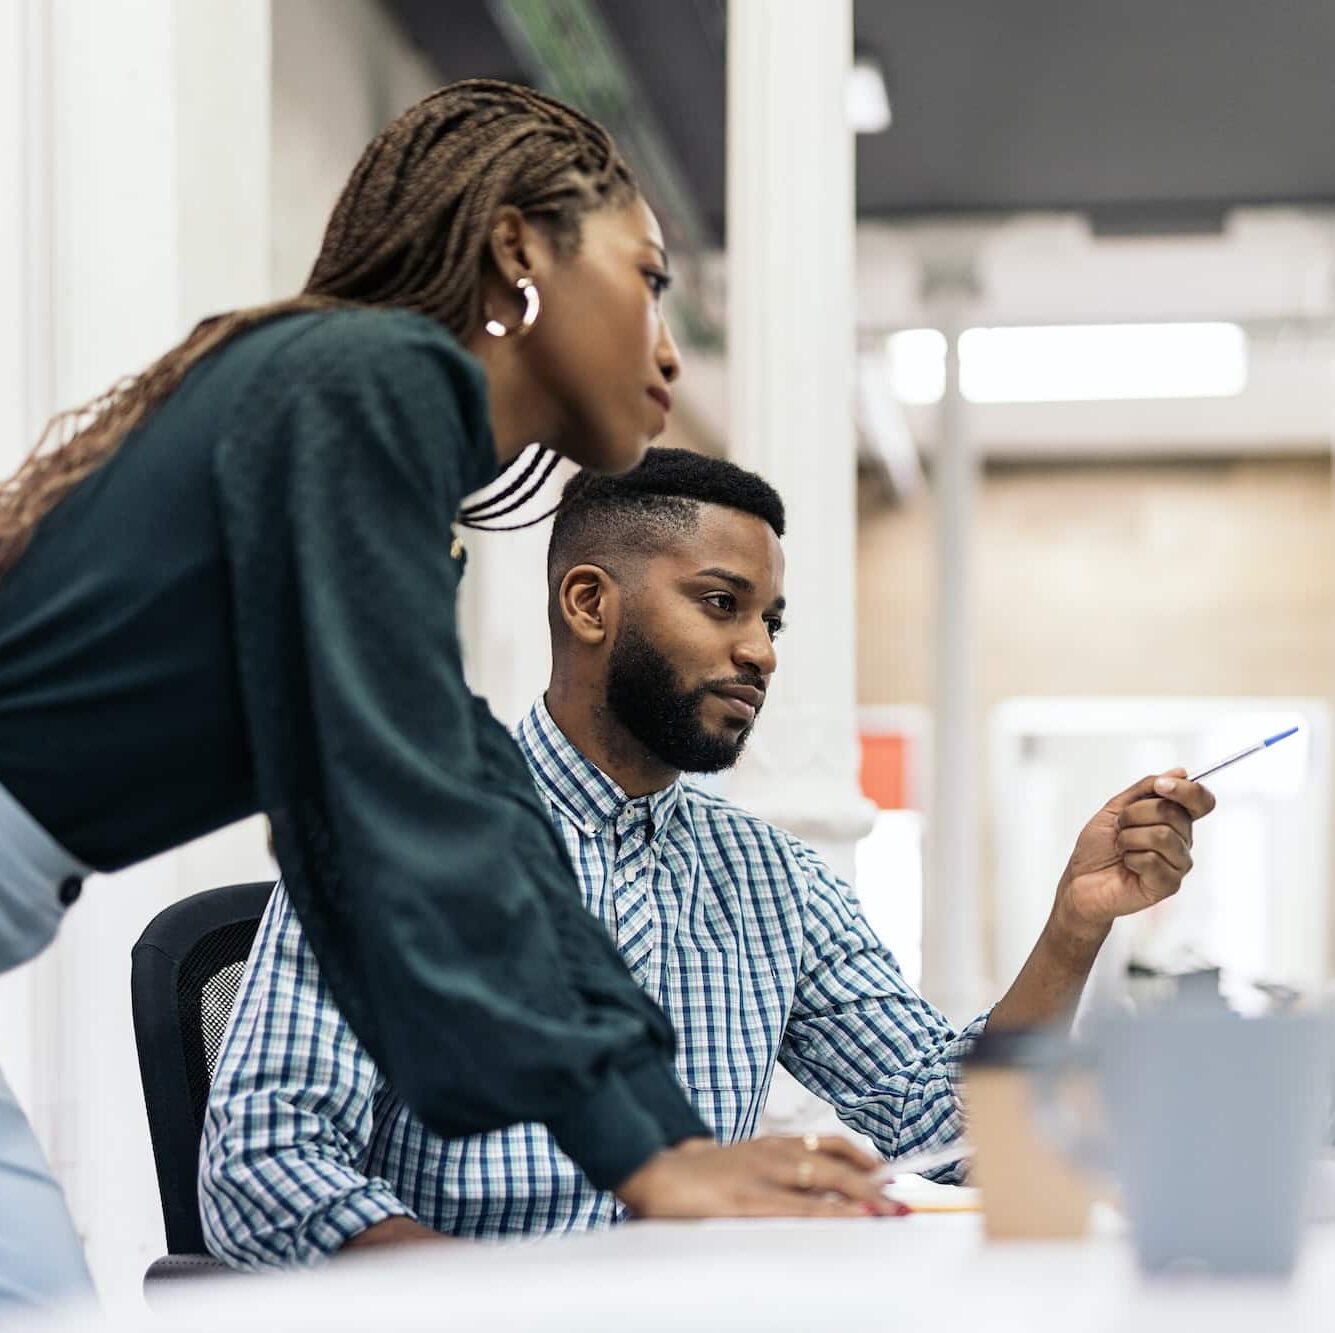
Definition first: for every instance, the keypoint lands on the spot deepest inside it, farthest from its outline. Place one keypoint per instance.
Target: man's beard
(647, 699)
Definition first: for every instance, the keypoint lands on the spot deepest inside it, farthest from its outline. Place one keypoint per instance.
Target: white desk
(927, 1272)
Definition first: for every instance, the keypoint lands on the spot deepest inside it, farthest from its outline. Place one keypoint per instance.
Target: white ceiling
(1273, 271)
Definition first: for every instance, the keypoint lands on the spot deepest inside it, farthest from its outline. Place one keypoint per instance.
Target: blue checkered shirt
(755, 950)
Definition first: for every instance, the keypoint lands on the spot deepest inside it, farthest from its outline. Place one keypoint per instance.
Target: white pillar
(146, 208)
(791, 365)
(503, 610)
(953, 974)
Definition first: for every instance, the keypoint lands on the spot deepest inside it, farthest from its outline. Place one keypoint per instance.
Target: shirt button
(630, 876)
(70, 889)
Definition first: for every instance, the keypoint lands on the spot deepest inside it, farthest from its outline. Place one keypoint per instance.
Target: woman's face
(601, 349)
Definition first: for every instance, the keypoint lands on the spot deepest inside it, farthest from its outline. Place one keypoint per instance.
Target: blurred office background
(1028, 309)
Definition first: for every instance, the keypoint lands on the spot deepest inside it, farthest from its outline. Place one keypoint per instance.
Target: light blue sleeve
(289, 1116)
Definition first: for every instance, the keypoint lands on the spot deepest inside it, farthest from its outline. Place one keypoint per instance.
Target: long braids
(410, 230)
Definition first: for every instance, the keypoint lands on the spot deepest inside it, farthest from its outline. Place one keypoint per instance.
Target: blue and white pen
(1242, 754)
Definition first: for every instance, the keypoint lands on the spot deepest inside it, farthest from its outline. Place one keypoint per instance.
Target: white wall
(17, 420)
(341, 71)
(14, 94)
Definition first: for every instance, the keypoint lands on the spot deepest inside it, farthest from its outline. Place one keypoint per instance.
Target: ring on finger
(811, 1142)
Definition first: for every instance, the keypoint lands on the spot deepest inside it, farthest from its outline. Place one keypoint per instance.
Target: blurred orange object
(885, 770)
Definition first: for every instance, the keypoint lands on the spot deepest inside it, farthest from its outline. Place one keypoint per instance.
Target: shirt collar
(574, 783)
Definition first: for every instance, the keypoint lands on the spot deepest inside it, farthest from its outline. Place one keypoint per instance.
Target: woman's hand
(812, 1176)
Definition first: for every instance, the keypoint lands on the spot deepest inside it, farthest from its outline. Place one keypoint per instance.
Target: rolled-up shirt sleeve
(427, 879)
(289, 1116)
(861, 1038)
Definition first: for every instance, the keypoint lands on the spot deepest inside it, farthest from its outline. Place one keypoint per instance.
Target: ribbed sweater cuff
(608, 1133)
(655, 1087)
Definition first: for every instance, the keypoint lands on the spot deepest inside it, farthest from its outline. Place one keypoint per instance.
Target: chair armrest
(172, 1269)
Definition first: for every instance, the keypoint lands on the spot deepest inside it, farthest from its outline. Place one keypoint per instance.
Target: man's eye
(775, 628)
(721, 601)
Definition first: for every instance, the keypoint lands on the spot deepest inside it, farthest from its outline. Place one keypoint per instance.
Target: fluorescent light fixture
(868, 102)
(1100, 362)
(917, 365)
(1074, 363)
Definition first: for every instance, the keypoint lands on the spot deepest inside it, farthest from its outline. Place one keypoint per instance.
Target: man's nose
(756, 653)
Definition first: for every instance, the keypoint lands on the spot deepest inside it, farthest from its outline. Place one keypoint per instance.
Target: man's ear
(589, 601)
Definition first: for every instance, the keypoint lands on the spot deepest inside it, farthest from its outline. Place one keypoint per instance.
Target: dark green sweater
(251, 606)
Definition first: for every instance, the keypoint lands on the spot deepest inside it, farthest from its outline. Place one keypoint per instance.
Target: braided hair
(410, 230)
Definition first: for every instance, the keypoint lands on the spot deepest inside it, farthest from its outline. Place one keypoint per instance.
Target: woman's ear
(588, 601)
(516, 247)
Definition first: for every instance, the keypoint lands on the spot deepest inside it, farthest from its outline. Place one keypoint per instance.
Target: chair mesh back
(186, 971)
(206, 989)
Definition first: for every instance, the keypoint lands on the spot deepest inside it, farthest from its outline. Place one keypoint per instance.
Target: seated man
(666, 596)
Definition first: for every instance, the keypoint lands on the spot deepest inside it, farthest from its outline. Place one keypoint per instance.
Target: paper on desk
(906, 1185)
(927, 1196)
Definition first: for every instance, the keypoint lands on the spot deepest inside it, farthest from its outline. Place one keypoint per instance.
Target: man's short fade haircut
(642, 511)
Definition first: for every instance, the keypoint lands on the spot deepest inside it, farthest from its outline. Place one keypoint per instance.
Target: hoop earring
(532, 305)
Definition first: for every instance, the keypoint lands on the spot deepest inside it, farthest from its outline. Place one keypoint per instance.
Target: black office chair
(185, 973)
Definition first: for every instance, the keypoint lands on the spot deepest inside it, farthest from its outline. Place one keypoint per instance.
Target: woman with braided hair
(229, 585)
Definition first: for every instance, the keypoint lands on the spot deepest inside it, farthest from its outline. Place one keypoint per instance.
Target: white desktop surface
(926, 1272)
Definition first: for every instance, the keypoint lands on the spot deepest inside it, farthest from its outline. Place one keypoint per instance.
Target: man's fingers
(1196, 800)
(1139, 791)
(1160, 810)
(1159, 838)
(1161, 879)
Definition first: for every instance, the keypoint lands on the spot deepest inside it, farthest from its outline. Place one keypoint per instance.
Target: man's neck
(587, 723)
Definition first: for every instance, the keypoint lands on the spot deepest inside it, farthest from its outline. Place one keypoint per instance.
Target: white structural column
(953, 973)
(791, 364)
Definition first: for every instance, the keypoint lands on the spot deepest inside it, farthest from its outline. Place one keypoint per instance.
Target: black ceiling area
(1144, 114)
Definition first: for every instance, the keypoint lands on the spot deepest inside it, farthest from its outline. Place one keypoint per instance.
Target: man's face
(694, 650)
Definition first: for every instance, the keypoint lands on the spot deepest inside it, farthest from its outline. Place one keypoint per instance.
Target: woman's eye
(658, 281)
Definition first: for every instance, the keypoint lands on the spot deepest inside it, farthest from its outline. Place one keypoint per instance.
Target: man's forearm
(394, 1231)
(1049, 984)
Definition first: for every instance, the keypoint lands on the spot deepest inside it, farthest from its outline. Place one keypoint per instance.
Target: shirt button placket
(634, 910)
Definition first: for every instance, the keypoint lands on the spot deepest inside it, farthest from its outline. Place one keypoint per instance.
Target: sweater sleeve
(438, 910)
